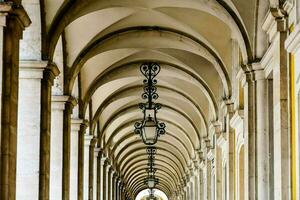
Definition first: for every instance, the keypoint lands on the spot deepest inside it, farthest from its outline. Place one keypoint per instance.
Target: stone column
(56, 146)
(282, 183)
(91, 162)
(118, 185)
(209, 180)
(201, 184)
(249, 135)
(87, 142)
(105, 165)
(96, 175)
(67, 146)
(262, 137)
(114, 186)
(191, 188)
(121, 191)
(205, 180)
(99, 175)
(218, 172)
(186, 192)
(276, 27)
(117, 189)
(75, 131)
(49, 75)
(109, 185)
(28, 153)
(81, 164)
(13, 20)
(232, 153)
(196, 183)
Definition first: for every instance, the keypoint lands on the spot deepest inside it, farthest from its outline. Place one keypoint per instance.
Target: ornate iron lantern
(150, 128)
(151, 182)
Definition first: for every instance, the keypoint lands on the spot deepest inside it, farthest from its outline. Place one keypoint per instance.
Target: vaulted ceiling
(105, 42)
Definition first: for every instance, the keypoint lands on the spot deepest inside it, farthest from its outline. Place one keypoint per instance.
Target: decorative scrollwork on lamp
(150, 128)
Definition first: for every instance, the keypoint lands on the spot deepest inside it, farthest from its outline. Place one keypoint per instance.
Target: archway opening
(160, 195)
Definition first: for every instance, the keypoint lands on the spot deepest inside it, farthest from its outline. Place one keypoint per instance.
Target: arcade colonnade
(229, 89)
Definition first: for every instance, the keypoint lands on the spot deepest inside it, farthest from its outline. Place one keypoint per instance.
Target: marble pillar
(13, 20)
(109, 184)
(249, 134)
(99, 175)
(49, 75)
(91, 168)
(231, 157)
(67, 146)
(118, 189)
(29, 112)
(105, 165)
(75, 128)
(81, 164)
(201, 184)
(114, 186)
(209, 180)
(96, 175)
(219, 175)
(86, 189)
(196, 184)
(56, 147)
(262, 137)
(191, 188)
(275, 26)
(282, 183)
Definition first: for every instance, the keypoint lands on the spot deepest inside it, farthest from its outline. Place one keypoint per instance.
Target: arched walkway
(71, 85)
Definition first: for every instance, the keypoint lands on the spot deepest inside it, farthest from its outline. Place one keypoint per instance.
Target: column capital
(94, 141)
(76, 123)
(72, 102)
(111, 169)
(208, 144)
(108, 165)
(84, 124)
(195, 164)
(216, 127)
(246, 77)
(259, 75)
(17, 10)
(97, 150)
(258, 71)
(200, 156)
(104, 159)
(275, 21)
(32, 69)
(50, 72)
(58, 102)
(227, 105)
(87, 140)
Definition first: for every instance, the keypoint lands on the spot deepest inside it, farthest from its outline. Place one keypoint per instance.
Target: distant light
(145, 193)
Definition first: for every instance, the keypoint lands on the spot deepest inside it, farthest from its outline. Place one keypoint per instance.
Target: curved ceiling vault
(106, 42)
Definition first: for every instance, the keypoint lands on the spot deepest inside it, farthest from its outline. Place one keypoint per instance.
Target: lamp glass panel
(149, 130)
(151, 183)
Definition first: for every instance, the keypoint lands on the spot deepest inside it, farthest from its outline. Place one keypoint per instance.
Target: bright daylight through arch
(157, 193)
